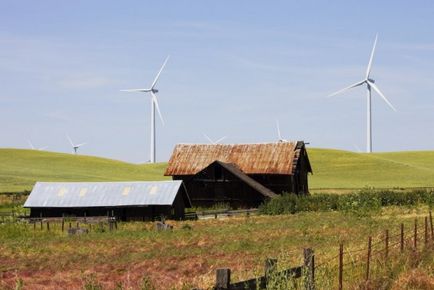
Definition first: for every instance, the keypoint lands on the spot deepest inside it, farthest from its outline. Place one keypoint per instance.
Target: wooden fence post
(34, 225)
(48, 226)
(341, 265)
(432, 228)
(63, 224)
(223, 279)
(70, 225)
(309, 264)
(78, 224)
(402, 238)
(415, 234)
(368, 258)
(386, 241)
(426, 231)
(41, 224)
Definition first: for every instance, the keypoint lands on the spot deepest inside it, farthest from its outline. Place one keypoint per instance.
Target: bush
(361, 203)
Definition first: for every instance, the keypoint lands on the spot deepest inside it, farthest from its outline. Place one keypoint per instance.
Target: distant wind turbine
(34, 148)
(154, 104)
(370, 84)
(214, 142)
(278, 132)
(74, 146)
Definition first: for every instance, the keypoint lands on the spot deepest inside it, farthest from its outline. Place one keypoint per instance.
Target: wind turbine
(370, 84)
(278, 132)
(214, 142)
(154, 104)
(34, 148)
(74, 146)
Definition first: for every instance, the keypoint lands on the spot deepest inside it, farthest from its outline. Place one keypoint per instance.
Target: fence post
(48, 226)
(70, 225)
(426, 231)
(341, 265)
(368, 259)
(432, 229)
(309, 264)
(402, 238)
(223, 279)
(34, 225)
(63, 224)
(41, 224)
(386, 240)
(415, 234)
(270, 268)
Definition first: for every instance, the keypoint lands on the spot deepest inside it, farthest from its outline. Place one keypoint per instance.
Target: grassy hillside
(335, 169)
(344, 169)
(19, 169)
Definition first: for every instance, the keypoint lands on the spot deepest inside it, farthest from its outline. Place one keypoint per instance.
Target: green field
(333, 169)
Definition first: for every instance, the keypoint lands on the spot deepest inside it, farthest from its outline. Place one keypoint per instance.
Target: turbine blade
(209, 139)
(347, 88)
(136, 90)
(219, 140)
(31, 145)
(374, 86)
(278, 130)
(158, 75)
(79, 145)
(70, 141)
(154, 99)
(368, 71)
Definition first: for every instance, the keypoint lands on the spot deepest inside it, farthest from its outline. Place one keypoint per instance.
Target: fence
(381, 248)
(69, 223)
(220, 213)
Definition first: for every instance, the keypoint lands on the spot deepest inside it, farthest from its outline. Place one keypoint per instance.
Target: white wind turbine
(74, 146)
(278, 132)
(34, 148)
(214, 142)
(370, 83)
(154, 104)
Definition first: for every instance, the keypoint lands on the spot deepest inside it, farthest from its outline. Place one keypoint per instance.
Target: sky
(235, 68)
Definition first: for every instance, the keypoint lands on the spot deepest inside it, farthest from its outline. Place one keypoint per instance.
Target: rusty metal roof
(262, 158)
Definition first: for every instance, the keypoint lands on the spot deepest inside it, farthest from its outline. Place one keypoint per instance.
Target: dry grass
(188, 255)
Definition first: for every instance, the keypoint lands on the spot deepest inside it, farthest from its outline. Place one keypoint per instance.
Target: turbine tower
(74, 146)
(34, 148)
(370, 84)
(154, 105)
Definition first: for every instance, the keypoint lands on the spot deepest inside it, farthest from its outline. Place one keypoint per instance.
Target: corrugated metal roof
(265, 158)
(103, 194)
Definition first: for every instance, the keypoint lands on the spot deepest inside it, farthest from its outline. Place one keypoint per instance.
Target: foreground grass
(333, 169)
(188, 255)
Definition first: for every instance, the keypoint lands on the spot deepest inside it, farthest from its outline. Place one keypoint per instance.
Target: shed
(138, 200)
(240, 174)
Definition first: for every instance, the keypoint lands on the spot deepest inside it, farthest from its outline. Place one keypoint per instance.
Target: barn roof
(263, 158)
(105, 194)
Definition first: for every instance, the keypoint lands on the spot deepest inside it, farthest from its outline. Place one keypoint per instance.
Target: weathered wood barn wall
(243, 175)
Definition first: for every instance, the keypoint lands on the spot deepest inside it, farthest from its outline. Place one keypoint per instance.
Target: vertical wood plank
(309, 263)
(223, 279)
(368, 258)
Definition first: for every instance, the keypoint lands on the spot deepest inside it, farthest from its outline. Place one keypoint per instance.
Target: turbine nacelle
(371, 80)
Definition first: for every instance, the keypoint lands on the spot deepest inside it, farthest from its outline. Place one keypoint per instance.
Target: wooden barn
(124, 200)
(242, 175)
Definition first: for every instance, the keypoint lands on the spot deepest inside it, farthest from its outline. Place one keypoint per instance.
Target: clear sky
(235, 67)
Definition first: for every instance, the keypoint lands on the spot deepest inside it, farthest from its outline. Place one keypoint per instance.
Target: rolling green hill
(333, 169)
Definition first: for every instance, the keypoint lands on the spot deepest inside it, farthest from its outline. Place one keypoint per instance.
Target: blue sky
(235, 67)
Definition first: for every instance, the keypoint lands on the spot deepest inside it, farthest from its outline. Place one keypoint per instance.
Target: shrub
(362, 202)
